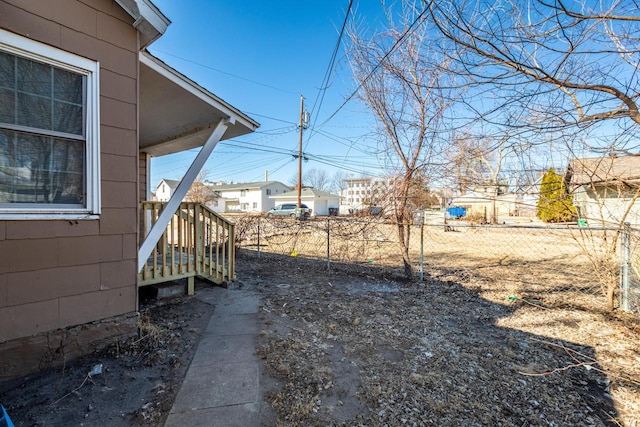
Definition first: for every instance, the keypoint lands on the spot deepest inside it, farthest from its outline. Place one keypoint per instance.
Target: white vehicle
(291, 210)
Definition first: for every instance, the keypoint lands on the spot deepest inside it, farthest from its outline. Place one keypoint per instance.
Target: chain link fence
(630, 285)
(560, 265)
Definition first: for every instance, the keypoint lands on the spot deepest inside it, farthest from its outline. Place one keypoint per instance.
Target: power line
(270, 118)
(384, 58)
(224, 72)
(327, 75)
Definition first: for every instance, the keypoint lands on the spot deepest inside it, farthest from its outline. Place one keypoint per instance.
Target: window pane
(68, 102)
(67, 171)
(34, 77)
(67, 118)
(7, 71)
(7, 106)
(34, 111)
(41, 96)
(36, 169)
(7, 88)
(67, 86)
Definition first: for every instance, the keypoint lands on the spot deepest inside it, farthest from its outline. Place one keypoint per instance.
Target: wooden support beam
(172, 205)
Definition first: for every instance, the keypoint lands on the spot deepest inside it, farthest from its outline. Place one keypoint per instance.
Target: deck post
(190, 288)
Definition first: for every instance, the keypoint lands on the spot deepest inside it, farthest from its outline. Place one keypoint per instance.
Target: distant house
(606, 189)
(482, 201)
(317, 200)
(83, 108)
(247, 196)
(165, 189)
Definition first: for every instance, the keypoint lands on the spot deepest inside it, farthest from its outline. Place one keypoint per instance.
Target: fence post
(624, 267)
(328, 244)
(422, 250)
(259, 220)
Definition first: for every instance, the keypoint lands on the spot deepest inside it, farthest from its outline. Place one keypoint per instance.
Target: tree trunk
(403, 239)
(611, 293)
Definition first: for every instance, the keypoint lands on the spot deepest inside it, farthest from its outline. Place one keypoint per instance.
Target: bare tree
(466, 158)
(403, 80)
(567, 64)
(570, 66)
(338, 182)
(317, 178)
(200, 192)
(293, 180)
(420, 196)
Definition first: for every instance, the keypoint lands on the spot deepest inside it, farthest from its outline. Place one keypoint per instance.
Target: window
(244, 206)
(243, 193)
(255, 205)
(49, 132)
(268, 191)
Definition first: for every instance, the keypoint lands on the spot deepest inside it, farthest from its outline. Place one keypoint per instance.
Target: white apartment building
(363, 192)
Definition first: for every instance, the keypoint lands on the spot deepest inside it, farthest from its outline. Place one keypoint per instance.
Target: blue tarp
(5, 421)
(457, 211)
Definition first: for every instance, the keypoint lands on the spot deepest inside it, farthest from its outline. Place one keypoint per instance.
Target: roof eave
(197, 90)
(166, 95)
(148, 20)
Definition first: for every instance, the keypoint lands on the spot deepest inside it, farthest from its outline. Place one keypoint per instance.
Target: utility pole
(304, 123)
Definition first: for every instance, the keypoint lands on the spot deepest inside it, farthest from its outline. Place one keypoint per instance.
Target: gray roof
(307, 193)
(172, 183)
(244, 185)
(605, 170)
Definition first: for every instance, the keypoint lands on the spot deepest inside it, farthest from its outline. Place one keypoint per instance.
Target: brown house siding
(57, 274)
(142, 176)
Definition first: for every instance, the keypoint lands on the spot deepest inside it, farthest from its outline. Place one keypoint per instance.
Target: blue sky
(260, 56)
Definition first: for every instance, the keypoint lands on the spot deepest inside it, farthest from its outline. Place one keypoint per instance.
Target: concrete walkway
(222, 385)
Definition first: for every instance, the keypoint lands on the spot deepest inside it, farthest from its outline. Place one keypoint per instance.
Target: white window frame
(17, 45)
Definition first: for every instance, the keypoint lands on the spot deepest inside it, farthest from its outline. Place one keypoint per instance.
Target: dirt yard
(132, 383)
(358, 345)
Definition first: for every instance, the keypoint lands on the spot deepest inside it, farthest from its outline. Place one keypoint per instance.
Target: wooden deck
(197, 243)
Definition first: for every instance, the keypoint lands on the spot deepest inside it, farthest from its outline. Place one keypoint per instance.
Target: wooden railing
(197, 242)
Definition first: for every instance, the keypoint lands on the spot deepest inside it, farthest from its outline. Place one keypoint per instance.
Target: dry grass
(509, 326)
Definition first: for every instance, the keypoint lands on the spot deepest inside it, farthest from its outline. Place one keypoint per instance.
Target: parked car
(290, 209)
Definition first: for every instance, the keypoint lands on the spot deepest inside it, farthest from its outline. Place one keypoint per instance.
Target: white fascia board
(147, 19)
(198, 91)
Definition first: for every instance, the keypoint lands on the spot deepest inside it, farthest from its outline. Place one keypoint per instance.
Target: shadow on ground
(358, 345)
